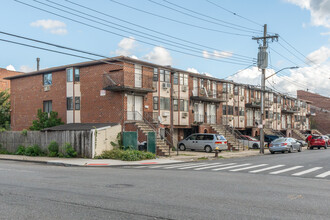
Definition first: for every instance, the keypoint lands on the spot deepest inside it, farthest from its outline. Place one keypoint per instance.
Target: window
(224, 110)
(155, 76)
(155, 103)
(162, 75)
(236, 90)
(167, 76)
(201, 83)
(47, 79)
(69, 103)
(230, 110)
(69, 75)
(47, 106)
(230, 88)
(224, 88)
(185, 79)
(241, 111)
(181, 79)
(164, 103)
(175, 78)
(208, 85)
(175, 105)
(241, 91)
(77, 103)
(252, 94)
(214, 89)
(267, 114)
(236, 111)
(183, 105)
(77, 75)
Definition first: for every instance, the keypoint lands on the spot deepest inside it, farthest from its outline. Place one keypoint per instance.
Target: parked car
(302, 142)
(283, 145)
(319, 141)
(207, 142)
(269, 138)
(251, 142)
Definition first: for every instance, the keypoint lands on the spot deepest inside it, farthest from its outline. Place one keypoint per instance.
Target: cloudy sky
(206, 36)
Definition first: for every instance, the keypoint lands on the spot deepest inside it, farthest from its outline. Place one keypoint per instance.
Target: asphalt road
(36, 191)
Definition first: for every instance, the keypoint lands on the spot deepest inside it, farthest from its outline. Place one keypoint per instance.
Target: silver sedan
(284, 144)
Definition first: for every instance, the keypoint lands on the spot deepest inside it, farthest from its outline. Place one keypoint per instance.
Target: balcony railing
(120, 81)
(211, 119)
(206, 96)
(198, 118)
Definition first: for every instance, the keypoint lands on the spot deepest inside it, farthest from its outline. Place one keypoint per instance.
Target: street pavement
(40, 191)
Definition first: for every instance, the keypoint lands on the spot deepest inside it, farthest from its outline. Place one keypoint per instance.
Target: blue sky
(304, 24)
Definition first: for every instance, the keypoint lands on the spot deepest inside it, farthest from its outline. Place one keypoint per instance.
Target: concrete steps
(299, 134)
(231, 141)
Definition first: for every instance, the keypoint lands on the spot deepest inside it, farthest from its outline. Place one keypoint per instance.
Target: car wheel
(290, 150)
(208, 149)
(182, 147)
(319, 148)
(299, 149)
(255, 146)
(311, 148)
(272, 152)
(283, 152)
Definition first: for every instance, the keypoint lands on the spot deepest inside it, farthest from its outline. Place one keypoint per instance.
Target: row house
(146, 97)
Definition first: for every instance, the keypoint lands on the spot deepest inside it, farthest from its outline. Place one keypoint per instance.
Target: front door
(134, 107)
(138, 107)
(130, 107)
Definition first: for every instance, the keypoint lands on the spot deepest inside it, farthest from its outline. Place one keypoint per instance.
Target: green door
(151, 142)
(130, 139)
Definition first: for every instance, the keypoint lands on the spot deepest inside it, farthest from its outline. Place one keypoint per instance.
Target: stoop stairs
(231, 140)
(162, 149)
(299, 134)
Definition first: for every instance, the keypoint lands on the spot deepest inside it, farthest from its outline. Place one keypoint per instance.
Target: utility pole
(262, 64)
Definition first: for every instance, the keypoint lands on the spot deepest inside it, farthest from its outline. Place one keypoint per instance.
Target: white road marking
(213, 166)
(247, 168)
(306, 171)
(322, 175)
(267, 168)
(224, 168)
(286, 170)
(183, 168)
(182, 165)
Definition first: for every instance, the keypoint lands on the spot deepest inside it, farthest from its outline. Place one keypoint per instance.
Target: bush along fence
(80, 142)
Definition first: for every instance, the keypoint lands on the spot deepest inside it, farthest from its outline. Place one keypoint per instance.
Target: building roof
(79, 126)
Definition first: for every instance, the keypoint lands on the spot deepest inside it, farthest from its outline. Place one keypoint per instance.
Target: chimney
(38, 63)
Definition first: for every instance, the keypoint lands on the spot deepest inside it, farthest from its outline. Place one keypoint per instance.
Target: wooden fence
(81, 141)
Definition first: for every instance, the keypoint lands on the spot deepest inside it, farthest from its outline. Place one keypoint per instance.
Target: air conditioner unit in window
(231, 96)
(165, 114)
(184, 115)
(166, 85)
(46, 88)
(241, 120)
(184, 88)
(242, 98)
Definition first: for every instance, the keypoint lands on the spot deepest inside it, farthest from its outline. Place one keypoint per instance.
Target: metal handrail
(235, 133)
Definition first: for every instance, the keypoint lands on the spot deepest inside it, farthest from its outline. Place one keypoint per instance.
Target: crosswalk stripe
(168, 165)
(267, 168)
(306, 171)
(322, 175)
(286, 170)
(224, 168)
(185, 165)
(247, 168)
(213, 166)
(184, 168)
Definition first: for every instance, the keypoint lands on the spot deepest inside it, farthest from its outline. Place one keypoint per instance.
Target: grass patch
(221, 157)
(126, 155)
(202, 158)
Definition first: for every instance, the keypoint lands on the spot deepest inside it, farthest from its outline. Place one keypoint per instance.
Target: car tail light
(284, 144)
(218, 142)
(225, 142)
(270, 145)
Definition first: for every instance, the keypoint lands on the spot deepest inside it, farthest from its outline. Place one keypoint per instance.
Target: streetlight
(263, 80)
(285, 68)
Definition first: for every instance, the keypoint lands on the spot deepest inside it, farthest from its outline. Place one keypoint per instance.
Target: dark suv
(268, 138)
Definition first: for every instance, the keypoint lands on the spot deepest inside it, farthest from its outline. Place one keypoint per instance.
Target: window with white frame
(176, 78)
(214, 89)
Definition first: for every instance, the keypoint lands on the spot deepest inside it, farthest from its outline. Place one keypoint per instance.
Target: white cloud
(206, 54)
(222, 54)
(126, 46)
(10, 67)
(325, 33)
(26, 69)
(53, 26)
(159, 55)
(319, 56)
(319, 9)
(193, 70)
(312, 78)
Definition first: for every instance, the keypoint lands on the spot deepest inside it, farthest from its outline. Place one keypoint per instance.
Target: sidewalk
(184, 156)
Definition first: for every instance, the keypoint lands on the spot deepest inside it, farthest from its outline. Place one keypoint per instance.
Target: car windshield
(279, 140)
(221, 138)
(317, 137)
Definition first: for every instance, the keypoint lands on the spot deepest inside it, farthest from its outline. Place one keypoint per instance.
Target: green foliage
(20, 150)
(24, 132)
(44, 121)
(33, 150)
(67, 151)
(53, 149)
(126, 155)
(4, 110)
(119, 140)
(3, 150)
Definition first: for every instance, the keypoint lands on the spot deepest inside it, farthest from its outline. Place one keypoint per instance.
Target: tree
(45, 121)
(4, 110)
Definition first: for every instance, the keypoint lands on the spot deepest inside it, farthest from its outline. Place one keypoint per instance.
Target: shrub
(3, 150)
(24, 132)
(68, 151)
(126, 155)
(20, 150)
(53, 149)
(33, 150)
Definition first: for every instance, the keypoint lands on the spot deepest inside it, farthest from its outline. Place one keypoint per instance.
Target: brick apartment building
(320, 105)
(5, 84)
(148, 97)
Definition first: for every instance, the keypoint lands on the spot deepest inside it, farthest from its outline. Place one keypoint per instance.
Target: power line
(185, 47)
(193, 16)
(177, 21)
(71, 19)
(240, 71)
(149, 29)
(231, 12)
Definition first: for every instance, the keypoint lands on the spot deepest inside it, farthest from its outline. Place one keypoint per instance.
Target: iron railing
(237, 134)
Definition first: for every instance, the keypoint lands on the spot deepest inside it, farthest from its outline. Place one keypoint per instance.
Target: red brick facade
(5, 84)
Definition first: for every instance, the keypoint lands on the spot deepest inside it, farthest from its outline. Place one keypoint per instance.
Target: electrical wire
(180, 22)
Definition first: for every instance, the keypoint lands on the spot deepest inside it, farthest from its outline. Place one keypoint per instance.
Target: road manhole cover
(116, 186)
